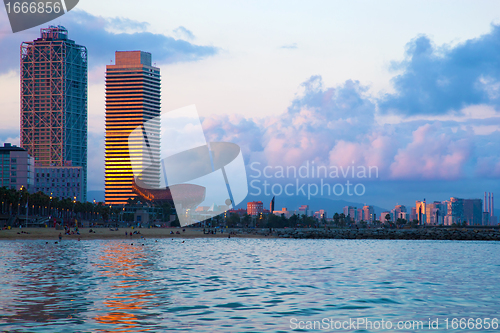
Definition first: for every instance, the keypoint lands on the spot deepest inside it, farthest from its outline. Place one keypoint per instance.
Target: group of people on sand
(68, 231)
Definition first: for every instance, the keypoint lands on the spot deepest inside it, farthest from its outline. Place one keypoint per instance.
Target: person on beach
(60, 237)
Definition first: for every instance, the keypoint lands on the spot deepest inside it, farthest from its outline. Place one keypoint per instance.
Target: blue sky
(411, 87)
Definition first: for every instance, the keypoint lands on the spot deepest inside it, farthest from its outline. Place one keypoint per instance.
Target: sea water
(248, 285)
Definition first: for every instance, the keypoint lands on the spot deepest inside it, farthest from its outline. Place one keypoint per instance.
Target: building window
(13, 160)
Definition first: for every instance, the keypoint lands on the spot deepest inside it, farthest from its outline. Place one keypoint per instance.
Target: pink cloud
(433, 154)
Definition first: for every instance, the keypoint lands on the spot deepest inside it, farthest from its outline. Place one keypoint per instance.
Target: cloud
(292, 46)
(337, 126)
(434, 153)
(183, 33)
(440, 80)
(317, 118)
(237, 129)
(102, 37)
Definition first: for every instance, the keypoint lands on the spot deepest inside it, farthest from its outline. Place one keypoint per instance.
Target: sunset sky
(412, 87)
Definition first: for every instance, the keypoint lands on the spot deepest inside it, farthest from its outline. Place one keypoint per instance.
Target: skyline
(446, 146)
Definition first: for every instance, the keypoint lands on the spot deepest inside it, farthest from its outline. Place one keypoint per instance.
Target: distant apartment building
(350, 212)
(359, 214)
(435, 213)
(304, 210)
(254, 208)
(284, 211)
(368, 214)
(459, 211)
(473, 211)
(60, 182)
(320, 214)
(384, 215)
(399, 212)
(413, 214)
(420, 211)
(54, 102)
(16, 168)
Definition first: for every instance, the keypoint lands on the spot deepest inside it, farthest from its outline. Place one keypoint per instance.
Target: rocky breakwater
(422, 233)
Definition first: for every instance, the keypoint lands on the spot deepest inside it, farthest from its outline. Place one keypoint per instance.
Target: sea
(249, 285)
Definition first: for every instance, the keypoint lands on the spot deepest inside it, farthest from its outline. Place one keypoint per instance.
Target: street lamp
(74, 215)
(50, 202)
(19, 202)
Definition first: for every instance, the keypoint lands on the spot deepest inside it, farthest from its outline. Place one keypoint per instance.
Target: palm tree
(336, 219)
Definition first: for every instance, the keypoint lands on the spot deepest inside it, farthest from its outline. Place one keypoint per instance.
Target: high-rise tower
(54, 105)
(132, 101)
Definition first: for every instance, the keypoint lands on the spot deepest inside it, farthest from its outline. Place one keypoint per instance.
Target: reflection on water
(238, 285)
(42, 283)
(129, 295)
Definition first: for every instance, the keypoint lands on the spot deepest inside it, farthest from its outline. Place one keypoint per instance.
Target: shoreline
(106, 233)
(397, 234)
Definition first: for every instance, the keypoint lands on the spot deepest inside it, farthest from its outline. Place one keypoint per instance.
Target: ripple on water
(239, 285)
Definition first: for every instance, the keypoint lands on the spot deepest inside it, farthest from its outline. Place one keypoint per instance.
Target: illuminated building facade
(368, 214)
(420, 211)
(54, 101)
(132, 100)
(255, 208)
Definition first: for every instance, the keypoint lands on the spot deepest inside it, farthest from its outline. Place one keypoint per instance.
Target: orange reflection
(121, 260)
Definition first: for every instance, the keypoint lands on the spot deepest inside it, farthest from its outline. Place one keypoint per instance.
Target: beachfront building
(54, 102)
(60, 182)
(16, 168)
(255, 208)
(132, 125)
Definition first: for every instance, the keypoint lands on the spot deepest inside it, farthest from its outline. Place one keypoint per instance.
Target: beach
(106, 233)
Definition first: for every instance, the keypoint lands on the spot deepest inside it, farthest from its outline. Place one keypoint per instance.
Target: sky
(411, 87)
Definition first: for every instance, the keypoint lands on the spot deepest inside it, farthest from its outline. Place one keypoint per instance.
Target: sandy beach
(105, 233)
